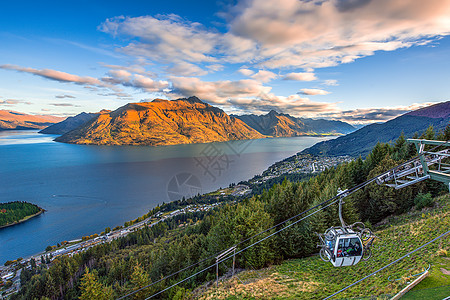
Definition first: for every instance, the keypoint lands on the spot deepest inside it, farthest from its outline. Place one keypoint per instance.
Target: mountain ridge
(284, 125)
(362, 140)
(161, 122)
(13, 120)
(69, 124)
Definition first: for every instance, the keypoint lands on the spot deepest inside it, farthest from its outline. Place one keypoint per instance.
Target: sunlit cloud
(186, 69)
(280, 34)
(64, 104)
(56, 75)
(313, 92)
(373, 115)
(246, 72)
(264, 76)
(13, 102)
(305, 76)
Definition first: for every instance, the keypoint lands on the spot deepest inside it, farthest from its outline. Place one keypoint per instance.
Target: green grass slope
(311, 278)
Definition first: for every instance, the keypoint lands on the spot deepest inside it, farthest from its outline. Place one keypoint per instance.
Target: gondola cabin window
(349, 247)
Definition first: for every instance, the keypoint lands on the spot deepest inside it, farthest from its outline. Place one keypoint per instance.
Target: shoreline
(24, 219)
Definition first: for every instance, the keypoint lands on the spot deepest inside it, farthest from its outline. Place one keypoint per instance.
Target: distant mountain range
(283, 125)
(12, 120)
(71, 123)
(363, 140)
(161, 122)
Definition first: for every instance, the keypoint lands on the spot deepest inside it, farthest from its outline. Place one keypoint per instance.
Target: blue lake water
(87, 188)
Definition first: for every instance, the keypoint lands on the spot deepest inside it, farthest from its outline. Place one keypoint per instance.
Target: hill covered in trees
(145, 256)
(17, 211)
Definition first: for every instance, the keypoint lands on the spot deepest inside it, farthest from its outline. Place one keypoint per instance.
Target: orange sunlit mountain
(16, 120)
(161, 122)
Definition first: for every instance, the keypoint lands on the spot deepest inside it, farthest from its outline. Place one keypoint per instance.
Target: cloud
(64, 96)
(64, 104)
(313, 92)
(305, 76)
(114, 77)
(164, 38)
(247, 96)
(246, 72)
(13, 102)
(186, 69)
(294, 105)
(56, 75)
(373, 115)
(264, 76)
(300, 33)
(215, 67)
(289, 33)
(137, 68)
(120, 95)
(331, 82)
(217, 92)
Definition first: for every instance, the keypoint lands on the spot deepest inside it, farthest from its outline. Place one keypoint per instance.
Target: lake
(87, 188)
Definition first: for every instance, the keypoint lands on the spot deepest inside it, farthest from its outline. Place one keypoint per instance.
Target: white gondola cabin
(346, 245)
(345, 249)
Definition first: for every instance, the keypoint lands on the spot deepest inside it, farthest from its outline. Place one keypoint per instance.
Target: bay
(87, 188)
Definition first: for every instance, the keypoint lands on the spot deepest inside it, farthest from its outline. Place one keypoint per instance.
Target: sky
(359, 61)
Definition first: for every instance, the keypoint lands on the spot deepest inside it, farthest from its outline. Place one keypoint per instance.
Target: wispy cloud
(57, 75)
(305, 76)
(373, 115)
(114, 78)
(331, 82)
(13, 102)
(64, 104)
(64, 96)
(313, 92)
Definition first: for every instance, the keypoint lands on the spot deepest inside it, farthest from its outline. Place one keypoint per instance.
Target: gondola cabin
(345, 249)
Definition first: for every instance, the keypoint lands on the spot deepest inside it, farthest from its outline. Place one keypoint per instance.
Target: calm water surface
(87, 188)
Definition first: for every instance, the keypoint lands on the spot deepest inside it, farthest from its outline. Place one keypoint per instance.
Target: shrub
(423, 200)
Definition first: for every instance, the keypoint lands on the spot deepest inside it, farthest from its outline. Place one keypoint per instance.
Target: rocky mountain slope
(10, 120)
(283, 125)
(70, 123)
(161, 122)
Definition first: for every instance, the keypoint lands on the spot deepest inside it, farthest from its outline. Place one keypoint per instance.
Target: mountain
(70, 123)
(161, 122)
(361, 141)
(15, 120)
(278, 125)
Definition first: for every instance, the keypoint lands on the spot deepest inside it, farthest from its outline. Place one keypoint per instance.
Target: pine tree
(139, 279)
(91, 289)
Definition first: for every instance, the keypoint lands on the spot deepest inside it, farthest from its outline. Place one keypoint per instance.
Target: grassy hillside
(311, 278)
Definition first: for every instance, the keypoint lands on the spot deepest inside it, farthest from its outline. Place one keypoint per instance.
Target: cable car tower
(346, 245)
